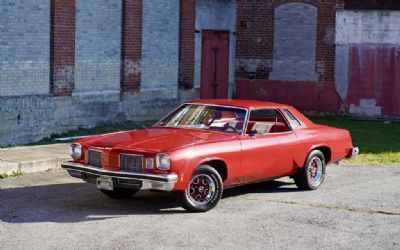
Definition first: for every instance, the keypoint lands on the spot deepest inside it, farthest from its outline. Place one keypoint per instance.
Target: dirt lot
(357, 208)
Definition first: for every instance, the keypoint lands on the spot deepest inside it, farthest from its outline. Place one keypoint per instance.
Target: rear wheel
(204, 190)
(120, 193)
(312, 175)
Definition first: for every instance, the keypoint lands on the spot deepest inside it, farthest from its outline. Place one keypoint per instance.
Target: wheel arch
(325, 150)
(218, 164)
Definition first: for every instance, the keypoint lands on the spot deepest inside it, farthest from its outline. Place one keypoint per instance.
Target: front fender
(185, 161)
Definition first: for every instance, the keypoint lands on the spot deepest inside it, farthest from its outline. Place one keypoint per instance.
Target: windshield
(206, 117)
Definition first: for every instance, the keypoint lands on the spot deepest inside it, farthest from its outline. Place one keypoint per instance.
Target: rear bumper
(353, 152)
(163, 182)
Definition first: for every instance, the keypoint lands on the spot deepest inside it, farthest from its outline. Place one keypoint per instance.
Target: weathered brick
(24, 47)
(62, 51)
(160, 34)
(131, 50)
(255, 38)
(98, 46)
(187, 19)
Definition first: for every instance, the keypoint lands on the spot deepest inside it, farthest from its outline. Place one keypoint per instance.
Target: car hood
(155, 139)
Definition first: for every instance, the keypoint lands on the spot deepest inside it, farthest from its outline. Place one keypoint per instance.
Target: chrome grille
(95, 158)
(130, 162)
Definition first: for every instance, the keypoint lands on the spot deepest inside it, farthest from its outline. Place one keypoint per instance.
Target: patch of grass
(14, 174)
(4, 175)
(379, 141)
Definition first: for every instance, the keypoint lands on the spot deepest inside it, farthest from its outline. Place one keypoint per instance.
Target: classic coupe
(206, 146)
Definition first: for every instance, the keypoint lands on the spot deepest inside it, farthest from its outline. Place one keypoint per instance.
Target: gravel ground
(357, 208)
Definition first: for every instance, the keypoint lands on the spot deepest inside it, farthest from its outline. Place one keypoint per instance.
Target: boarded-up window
(295, 39)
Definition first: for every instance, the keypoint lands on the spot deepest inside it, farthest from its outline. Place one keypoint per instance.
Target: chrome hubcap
(201, 189)
(315, 171)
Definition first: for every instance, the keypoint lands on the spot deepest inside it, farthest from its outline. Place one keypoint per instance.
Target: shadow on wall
(77, 202)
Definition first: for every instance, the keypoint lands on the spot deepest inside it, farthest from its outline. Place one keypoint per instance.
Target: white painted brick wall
(97, 46)
(24, 47)
(160, 34)
(372, 26)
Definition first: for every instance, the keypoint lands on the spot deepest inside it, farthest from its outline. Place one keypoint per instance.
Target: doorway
(214, 64)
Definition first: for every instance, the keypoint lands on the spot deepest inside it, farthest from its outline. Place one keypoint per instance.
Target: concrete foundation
(27, 119)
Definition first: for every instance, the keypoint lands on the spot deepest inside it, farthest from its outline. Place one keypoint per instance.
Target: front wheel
(204, 190)
(311, 176)
(120, 193)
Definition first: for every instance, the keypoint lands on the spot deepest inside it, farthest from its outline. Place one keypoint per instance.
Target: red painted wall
(305, 96)
(374, 73)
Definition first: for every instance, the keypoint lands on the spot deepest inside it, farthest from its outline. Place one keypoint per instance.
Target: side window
(294, 120)
(266, 121)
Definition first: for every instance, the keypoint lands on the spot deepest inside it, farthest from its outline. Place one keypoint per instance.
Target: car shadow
(273, 186)
(77, 202)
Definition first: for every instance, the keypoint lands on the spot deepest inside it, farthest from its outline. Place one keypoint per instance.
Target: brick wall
(62, 47)
(131, 47)
(255, 37)
(187, 18)
(24, 47)
(255, 56)
(97, 46)
(160, 34)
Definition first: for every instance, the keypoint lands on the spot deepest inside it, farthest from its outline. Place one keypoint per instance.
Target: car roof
(249, 104)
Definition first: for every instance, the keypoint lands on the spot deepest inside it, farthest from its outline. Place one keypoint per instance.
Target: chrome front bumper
(163, 182)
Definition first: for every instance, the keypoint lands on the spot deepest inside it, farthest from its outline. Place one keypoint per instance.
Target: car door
(268, 147)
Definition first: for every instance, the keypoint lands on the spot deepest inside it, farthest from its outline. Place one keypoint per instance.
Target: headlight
(76, 150)
(163, 161)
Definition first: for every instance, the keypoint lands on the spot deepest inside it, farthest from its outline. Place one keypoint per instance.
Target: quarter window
(294, 120)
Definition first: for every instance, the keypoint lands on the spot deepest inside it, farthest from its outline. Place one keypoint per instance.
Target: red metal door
(214, 64)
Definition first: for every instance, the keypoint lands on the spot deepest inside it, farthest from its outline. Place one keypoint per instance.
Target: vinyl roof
(250, 104)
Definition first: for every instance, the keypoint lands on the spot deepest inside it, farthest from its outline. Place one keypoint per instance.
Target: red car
(205, 146)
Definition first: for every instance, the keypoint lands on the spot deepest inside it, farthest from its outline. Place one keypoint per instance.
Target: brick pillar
(131, 45)
(339, 4)
(187, 19)
(62, 47)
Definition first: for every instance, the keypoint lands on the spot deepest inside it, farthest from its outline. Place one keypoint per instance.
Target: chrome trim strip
(163, 178)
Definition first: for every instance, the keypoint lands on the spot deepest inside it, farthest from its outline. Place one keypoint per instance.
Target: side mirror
(253, 134)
